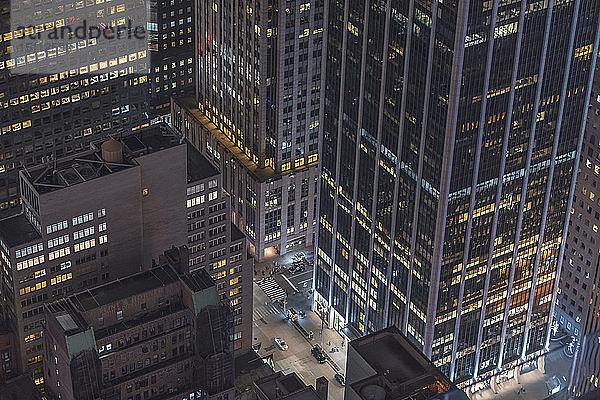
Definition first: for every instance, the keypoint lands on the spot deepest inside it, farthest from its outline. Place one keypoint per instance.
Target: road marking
(264, 311)
(272, 289)
(306, 280)
(302, 273)
(291, 284)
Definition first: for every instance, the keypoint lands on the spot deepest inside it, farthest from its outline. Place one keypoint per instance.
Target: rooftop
(401, 370)
(261, 174)
(198, 280)
(90, 165)
(249, 368)
(198, 166)
(67, 316)
(123, 288)
(17, 230)
(280, 386)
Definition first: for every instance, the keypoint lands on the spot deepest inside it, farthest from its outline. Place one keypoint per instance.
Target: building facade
(111, 212)
(9, 350)
(171, 44)
(58, 93)
(256, 113)
(156, 333)
(450, 140)
(577, 306)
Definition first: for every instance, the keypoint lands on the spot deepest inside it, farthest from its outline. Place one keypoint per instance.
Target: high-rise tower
(71, 72)
(257, 113)
(450, 140)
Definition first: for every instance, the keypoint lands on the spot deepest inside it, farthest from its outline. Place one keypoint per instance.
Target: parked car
(319, 354)
(296, 268)
(340, 378)
(281, 344)
(553, 385)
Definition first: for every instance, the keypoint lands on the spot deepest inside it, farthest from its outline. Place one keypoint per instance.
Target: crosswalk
(264, 311)
(272, 289)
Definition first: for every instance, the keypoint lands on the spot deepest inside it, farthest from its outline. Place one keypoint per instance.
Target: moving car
(318, 353)
(340, 378)
(281, 344)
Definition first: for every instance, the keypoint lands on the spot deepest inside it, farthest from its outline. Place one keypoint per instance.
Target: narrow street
(270, 321)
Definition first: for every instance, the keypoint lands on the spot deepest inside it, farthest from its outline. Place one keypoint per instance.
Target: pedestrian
(329, 343)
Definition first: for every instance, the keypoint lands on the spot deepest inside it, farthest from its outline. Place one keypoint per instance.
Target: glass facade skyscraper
(450, 134)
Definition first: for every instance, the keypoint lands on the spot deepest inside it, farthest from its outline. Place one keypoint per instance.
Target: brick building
(159, 333)
(108, 213)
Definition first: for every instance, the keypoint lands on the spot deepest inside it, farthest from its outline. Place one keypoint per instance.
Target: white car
(281, 343)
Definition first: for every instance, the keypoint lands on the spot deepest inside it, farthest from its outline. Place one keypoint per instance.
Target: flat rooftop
(67, 316)
(89, 165)
(261, 174)
(17, 230)
(198, 280)
(198, 166)
(391, 355)
(123, 288)
(401, 370)
(290, 386)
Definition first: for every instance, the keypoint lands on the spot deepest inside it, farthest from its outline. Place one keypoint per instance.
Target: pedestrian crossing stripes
(264, 311)
(272, 289)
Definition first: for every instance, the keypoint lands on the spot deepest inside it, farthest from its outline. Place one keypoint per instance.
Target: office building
(8, 352)
(108, 213)
(249, 368)
(60, 91)
(386, 365)
(577, 307)
(451, 134)
(286, 387)
(256, 114)
(171, 44)
(20, 388)
(156, 333)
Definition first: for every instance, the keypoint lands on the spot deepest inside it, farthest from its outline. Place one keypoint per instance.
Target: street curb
(330, 361)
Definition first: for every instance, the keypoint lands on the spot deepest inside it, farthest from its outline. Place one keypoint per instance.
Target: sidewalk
(329, 339)
(532, 385)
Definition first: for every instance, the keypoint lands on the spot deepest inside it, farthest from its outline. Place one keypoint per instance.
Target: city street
(270, 322)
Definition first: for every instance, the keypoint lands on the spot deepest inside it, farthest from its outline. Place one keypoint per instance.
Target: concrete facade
(157, 333)
(88, 221)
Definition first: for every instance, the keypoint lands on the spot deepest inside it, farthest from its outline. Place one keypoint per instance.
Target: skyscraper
(171, 44)
(450, 141)
(58, 90)
(257, 111)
